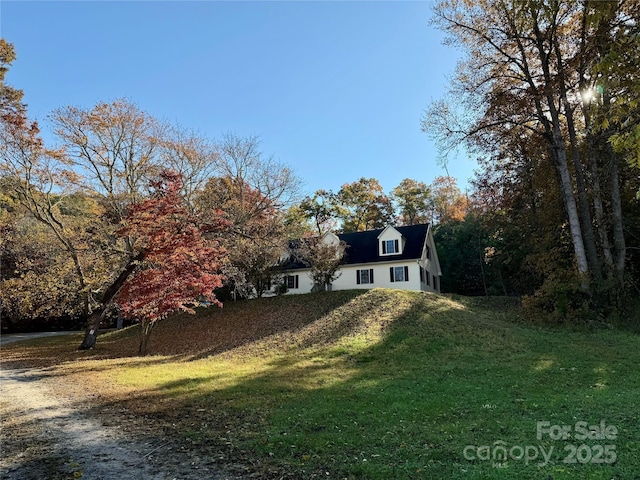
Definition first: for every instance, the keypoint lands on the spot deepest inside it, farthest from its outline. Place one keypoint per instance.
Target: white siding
(381, 276)
(348, 278)
(431, 264)
(305, 285)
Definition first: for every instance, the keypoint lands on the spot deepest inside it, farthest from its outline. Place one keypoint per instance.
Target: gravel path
(19, 337)
(48, 437)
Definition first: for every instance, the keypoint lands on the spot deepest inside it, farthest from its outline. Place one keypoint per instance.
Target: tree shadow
(211, 332)
(407, 384)
(430, 384)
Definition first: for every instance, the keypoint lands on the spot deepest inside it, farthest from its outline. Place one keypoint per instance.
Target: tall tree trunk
(620, 249)
(619, 246)
(566, 186)
(94, 320)
(584, 85)
(583, 204)
(588, 235)
(598, 208)
(559, 152)
(585, 214)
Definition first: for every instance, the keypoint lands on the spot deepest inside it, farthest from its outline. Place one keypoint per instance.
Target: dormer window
(390, 247)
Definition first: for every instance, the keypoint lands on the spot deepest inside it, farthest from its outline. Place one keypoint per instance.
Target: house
(393, 257)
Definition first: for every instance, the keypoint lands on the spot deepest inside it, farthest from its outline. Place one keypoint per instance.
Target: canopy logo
(541, 454)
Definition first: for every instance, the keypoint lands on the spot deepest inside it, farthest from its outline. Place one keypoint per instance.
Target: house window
(435, 282)
(364, 276)
(427, 276)
(390, 246)
(399, 274)
(428, 252)
(421, 274)
(292, 281)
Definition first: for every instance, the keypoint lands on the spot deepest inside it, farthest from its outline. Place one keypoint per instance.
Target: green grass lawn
(388, 384)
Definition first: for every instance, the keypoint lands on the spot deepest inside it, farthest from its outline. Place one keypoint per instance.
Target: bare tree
(114, 147)
(241, 159)
(192, 156)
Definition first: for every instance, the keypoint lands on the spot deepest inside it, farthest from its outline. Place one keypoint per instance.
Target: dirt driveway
(18, 337)
(47, 436)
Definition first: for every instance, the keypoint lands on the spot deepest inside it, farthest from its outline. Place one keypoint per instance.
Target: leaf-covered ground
(377, 384)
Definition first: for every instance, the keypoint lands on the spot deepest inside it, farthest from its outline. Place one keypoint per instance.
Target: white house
(393, 257)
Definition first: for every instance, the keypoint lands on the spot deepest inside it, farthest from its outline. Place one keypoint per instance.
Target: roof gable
(388, 229)
(362, 247)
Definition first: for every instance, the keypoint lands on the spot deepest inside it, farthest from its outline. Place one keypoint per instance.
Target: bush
(560, 300)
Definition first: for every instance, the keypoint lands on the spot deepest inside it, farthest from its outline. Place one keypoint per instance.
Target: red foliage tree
(181, 268)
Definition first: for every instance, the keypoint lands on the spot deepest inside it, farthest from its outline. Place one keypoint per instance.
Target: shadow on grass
(211, 332)
(394, 385)
(267, 324)
(405, 404)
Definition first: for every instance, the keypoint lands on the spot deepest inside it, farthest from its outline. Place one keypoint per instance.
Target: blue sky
(334, 89)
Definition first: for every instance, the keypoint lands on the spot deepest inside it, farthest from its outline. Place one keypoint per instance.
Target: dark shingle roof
(362, 247)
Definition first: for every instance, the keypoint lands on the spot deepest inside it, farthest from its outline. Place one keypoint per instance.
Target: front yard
(378, 385)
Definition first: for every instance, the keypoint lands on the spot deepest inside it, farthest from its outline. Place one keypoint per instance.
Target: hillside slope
(394, 384)
(282, 323)
(379, 384)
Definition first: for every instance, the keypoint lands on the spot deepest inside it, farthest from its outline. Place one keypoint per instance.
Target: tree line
(546, 96)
